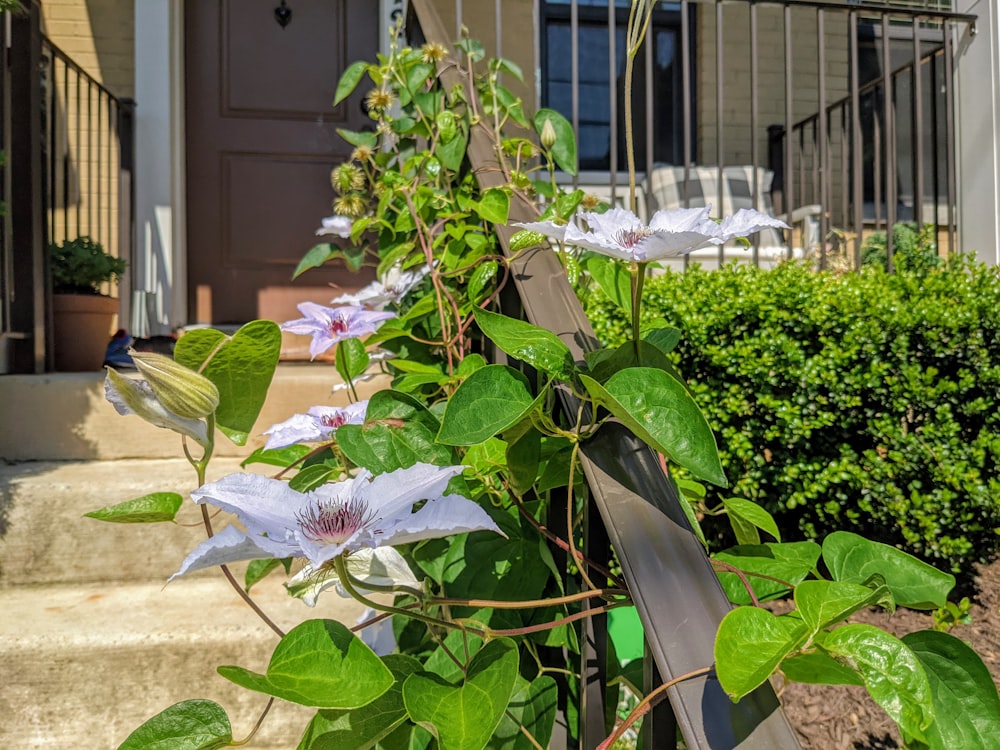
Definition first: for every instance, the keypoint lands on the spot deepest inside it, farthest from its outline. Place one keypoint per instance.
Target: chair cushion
(666, 188)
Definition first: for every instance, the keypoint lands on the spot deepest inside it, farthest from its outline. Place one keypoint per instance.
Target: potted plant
(82, 316)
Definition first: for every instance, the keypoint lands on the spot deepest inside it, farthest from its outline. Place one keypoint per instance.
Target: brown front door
(261, 141)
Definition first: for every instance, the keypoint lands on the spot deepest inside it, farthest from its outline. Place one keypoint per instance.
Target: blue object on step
(117, 353)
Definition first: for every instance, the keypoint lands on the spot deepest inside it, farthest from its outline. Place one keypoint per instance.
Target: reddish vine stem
(647, 703)
(561, 544)
(235, 584)
(256, 727)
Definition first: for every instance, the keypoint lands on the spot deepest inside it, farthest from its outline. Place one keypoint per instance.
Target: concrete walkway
(92, 642)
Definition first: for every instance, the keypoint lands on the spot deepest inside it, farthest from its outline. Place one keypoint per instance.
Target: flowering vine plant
(456, 494)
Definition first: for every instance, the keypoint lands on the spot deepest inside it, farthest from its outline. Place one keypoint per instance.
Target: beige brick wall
(98, 35)
(517, 36)
(736, 86)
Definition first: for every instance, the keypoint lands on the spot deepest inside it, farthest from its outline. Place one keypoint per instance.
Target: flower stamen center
(333, 421)
(334, 522)
(629, 238)
(339, 326)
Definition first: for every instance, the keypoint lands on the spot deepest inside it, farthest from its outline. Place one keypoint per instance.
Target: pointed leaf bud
(180, 389)
(548, 135)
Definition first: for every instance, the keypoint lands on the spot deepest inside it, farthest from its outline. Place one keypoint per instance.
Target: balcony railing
(67, 173)
(723, 81)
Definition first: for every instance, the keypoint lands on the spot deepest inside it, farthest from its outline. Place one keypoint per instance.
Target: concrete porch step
(64, 416)
(92, 640)
(83, 666)
(46, 540)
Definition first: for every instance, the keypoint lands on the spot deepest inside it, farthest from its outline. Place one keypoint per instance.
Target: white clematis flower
(391, 287)
(338, 225)
(318, 424)
(621, 234)
(362, 512)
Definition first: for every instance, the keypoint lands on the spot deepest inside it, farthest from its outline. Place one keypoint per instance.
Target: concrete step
(64, 416)
(92, 641)
(45, 538)
(83, 666)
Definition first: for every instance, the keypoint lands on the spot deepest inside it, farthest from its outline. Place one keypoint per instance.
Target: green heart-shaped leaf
(614, 279)
(750, 517)
(490, 400)
(152, 508)
(349, 81)
(532, 706)
(536, 346)
(966, 704)
(750, 645)
(319, 663)
(189, 725)
(893, 675)
(398, 432)
(660, 411)
(351, 359)
(463, 716)
(790, 562)
(913, 583)
(823, 603)
(494, 206)
(241, 366)
(361, 728)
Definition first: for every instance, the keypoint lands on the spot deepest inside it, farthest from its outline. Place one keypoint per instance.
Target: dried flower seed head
(347, 178)
(378, 101)
(433, 52)
(351, 205)
(362, 154)
(589, 202)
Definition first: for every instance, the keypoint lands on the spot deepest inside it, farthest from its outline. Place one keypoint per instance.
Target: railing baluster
(918, 130)
(789, 169)
(890, 142)
(755, 195)
(823, 135)
(949, 117)
(719, 103)
(857, 149)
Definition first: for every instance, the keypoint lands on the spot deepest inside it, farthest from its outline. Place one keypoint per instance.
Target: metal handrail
(677, 594)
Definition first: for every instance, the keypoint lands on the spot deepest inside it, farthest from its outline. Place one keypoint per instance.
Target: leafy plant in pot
(82, 316)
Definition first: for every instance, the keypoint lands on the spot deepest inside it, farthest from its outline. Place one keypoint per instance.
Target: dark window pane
(595, 90)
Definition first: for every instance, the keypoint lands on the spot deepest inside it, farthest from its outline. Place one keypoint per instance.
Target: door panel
(261, 141)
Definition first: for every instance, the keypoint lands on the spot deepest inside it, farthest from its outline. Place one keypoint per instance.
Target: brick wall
(98, 35)
(771, 74)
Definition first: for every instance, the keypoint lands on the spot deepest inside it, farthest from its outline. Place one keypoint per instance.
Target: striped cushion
(665, 187)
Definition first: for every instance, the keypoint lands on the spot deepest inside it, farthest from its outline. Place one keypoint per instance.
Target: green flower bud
(548, 134)
(180, 389)
(136, 397)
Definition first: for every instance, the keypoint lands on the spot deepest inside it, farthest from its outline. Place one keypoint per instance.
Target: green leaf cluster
(931, 684)
(865, 401)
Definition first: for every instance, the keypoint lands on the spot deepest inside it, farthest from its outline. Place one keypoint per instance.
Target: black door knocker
(283, 14)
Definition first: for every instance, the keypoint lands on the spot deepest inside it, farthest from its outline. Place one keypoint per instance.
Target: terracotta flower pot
(83, 324)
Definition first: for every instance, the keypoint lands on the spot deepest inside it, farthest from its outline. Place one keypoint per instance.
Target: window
(594, 89)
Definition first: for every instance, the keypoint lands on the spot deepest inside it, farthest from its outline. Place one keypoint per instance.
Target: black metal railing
(636, 509)
(67, 173)
(720, 84)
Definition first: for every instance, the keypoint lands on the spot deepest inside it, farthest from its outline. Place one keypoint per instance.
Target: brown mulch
(843, 717)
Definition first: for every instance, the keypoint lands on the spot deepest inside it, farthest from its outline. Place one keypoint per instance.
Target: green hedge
(867, 402)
